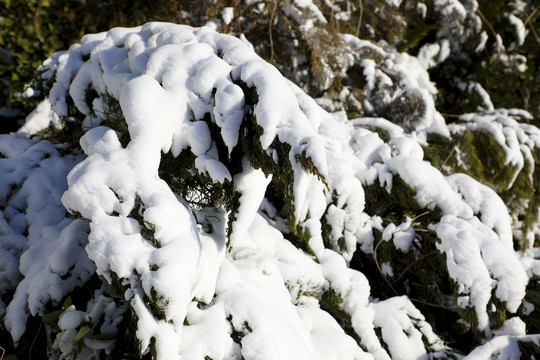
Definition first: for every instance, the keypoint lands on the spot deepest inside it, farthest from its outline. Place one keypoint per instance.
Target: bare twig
(447, 158)
(485, 21)
(361, 6)
(529, 17)
(419, 216)
(49, 343)
(413, 263)
(430, 304)
(379, 268)
(451, 115)
(272, 14)
(238, 18)
(528, 21)
(34, 341)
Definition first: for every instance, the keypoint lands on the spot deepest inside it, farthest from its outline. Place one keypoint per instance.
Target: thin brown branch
(447, 158)
(528, 21)
(419, 216)
(379, 268)
(451, 115)
(34, 341)
(430, 304)
(485, 21)
(49, 343)
(530, 17)
(361, 7)
(272, 14)
(413, 263)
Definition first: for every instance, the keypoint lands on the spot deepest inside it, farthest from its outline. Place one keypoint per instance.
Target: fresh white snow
(255, 285)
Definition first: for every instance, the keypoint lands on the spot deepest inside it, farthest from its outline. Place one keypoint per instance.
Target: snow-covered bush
(215, 210)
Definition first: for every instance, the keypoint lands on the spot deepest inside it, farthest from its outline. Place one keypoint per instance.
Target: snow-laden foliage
(218, 211)
(42, 253)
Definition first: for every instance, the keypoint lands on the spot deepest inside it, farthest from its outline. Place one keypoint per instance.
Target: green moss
(398, 204)
(113, 116)
(325, 57)
(469, 315)
(496, 311)
(300, 238)
(199, 190)
(78, 215)
(301, 291)
(32, 30)
(532, 297)
(332, 302)
(500, 314)
(404, 108)
(157, 304)
(238, 334)
(421, 272)
(127, 346)
(440, 152)
(154, 267)
(280, 190)
(147, 229)
(152, 347)
(307, 164)
(531, 192)
(68, 134)
(415, 35)
(117, 287)
(486, 160)
(181, 176)
(528, 349)
(479, 155)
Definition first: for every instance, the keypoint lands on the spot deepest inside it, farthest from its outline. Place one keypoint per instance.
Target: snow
(503, 347)
(115, 244)
(251, 183)
(40, 118)
(486, 204)
(394, 318)
(48, 262)
(520, 30)
(515, 138)
(192, 273)
(227, 14)
(513, 327)
(413, 80)
(463, 241)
